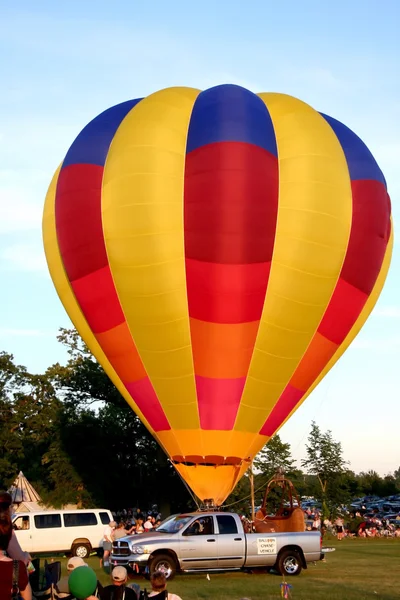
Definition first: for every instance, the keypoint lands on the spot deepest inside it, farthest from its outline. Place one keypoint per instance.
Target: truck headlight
(140, 550)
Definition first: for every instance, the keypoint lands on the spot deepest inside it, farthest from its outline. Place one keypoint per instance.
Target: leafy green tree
(77, 440)
(324, 459)
(10, 443)
(11, 375)
(239, 500)
(352, 484)
(372, 484)
(63, 484)
(82, 382)
(389, 485)
(101, 434)
(25, 418)
(274, 455)
(396, 476)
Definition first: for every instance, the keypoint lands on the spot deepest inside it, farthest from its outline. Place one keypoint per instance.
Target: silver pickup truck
(216, 541)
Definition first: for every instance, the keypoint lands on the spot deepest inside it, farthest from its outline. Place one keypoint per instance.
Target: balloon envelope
(218, 251)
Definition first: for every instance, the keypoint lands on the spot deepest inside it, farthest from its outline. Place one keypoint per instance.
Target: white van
(76, 531)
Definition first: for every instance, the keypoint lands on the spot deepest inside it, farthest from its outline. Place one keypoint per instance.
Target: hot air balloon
(217, 251)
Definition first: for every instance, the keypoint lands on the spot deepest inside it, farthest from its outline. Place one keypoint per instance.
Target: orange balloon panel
(217, 251)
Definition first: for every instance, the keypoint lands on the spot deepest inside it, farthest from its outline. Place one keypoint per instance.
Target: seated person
(62, 586)
(159, 588)
(194, 528)
(118, 590)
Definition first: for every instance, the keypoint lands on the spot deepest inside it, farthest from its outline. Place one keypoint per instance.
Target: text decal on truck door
(266, 545)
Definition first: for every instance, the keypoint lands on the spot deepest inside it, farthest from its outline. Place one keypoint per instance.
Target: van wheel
(81, 550)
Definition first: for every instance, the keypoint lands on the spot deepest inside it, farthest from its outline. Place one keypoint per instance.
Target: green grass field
(358, 569)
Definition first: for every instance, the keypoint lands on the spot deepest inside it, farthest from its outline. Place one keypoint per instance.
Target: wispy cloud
(15, 332)
(24, 257)
(18, 214)
(388, 153)
(377, 345)
(22, 195)
(390, 312)
(124, 43)
(318, 77)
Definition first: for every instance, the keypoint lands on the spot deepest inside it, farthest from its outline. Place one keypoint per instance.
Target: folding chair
(52, 572)
(99, 590)
(34, 578)
(55, 595)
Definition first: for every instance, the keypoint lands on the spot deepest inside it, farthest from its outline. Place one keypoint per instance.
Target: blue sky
(63, 63)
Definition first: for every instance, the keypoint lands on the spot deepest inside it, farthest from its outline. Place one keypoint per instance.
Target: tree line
(78, 442)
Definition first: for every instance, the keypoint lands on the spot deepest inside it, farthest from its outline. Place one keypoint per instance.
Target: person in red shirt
(14, 550)
(7, 564)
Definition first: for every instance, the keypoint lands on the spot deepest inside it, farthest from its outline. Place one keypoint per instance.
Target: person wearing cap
(73, 562)
(14, 550)
(118, 590)
(108, 541)
(148, 524)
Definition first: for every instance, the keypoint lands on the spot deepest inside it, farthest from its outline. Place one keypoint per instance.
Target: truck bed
(263, 549)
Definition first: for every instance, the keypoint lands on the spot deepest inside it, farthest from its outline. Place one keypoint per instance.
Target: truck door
(23, 530)
(231, 543)
(198, 545)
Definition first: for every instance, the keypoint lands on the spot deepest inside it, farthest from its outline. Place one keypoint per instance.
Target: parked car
(215, 541)
(75, 531)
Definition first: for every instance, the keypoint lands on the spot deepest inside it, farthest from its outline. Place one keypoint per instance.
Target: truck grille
(121, 549)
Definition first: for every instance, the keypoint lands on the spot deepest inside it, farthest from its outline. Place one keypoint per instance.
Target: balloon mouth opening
(209, 504)
(209, 461)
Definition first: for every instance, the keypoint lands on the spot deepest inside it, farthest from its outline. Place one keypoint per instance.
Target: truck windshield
(173, 525)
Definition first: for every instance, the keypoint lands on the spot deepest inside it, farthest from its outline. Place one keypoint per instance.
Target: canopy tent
(26, 499)
(24, 496)
(28, 507)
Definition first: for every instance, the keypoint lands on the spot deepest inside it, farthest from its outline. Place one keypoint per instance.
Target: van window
(226, 524)
(49, 521)
(79, 519)
(105, 519)
(21, 523)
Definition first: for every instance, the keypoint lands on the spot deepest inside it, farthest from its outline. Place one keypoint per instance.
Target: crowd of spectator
(353, 524)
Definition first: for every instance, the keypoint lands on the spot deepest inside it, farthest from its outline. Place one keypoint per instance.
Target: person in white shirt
(316, 523)
(148, 524)
(107, 541)
(159, 586)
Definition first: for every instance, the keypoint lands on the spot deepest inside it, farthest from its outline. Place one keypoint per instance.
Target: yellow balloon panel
(313, 179)
(151, 142)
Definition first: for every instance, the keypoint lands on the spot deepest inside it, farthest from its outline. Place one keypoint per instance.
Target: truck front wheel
(164, 563)
(289, 563)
